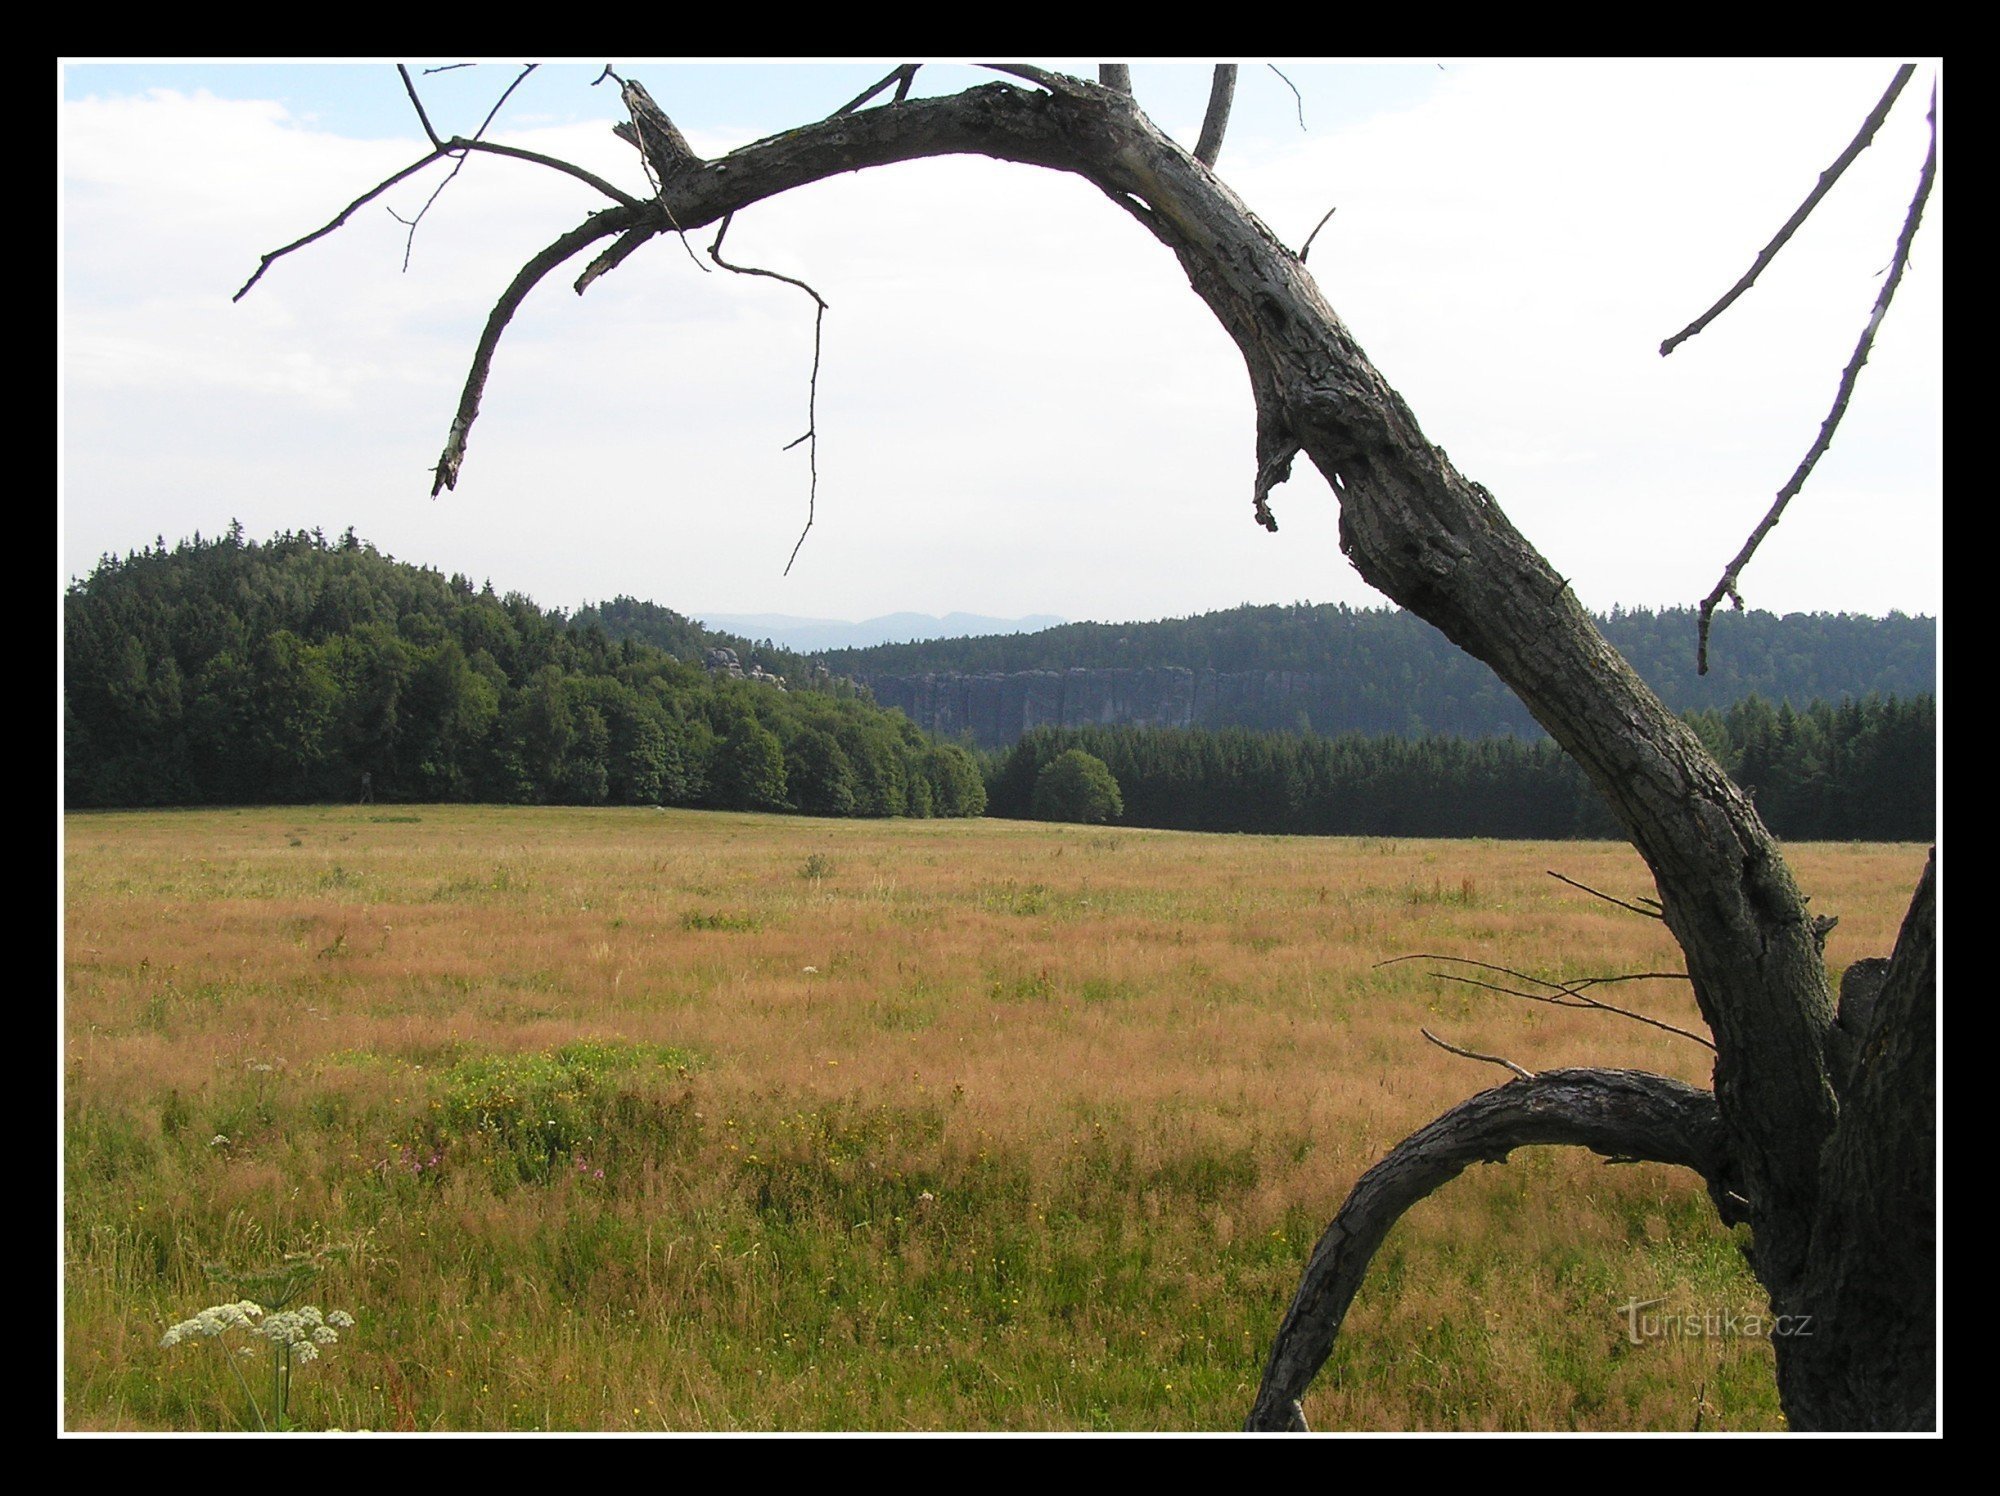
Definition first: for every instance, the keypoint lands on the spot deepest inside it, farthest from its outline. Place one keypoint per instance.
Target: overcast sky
(1022, 407)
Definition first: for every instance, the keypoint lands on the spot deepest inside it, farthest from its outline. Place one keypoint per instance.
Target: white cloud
(1022, 408)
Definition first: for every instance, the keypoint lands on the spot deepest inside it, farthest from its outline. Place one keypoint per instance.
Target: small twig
(1732, 573)
(1215, 123)
(1300, 102)
(812, 450)
(811, 436)
(1473, 1054)
(1116, 76)
(900, 77)
(1306, 248)
(1827, 178)
(519, 79)
(1573, 998)
(715, 254)
(410, 87)
(266, 261)
(410, 239)
(449, 67)
(1569, 994)
(1652, 913)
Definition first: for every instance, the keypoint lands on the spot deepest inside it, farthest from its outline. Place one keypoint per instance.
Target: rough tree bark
(1835, 1182)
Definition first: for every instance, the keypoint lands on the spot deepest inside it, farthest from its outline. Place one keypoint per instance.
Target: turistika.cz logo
(1706, 1324)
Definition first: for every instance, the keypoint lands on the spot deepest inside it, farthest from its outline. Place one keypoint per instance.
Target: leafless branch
(1615, 1113)
(451, 147)
(410, 239)
(460, 147)
(1570, 994)
(1215, 123)
(1574, 998)
(1731, 575)
(601, 226)
(811, 438)
(494, 148)
(449, 67)
(1862, 140)
(1473, 1054)
(715, 254)
(1296, 99)
(266, 261)
(1306, 248)
(900, 77)
(1652, 913)
(1116, 76)
(519, 78)
(410, 87)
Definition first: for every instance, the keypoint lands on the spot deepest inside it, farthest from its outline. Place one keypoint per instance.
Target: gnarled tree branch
(1626, 1114)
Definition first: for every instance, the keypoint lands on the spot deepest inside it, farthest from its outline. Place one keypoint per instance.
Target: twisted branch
(1621, 1114)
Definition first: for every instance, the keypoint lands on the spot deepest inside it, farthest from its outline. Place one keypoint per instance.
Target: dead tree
(1823, 1141)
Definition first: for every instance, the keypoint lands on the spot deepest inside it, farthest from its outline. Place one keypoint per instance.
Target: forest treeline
(1383, 670)
(228, 671)
(1865, 770)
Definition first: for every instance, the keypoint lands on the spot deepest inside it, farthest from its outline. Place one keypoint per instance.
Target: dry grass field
(643, 1120)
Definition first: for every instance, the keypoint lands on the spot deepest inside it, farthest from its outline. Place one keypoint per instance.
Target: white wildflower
(214, 1321)
(220, 1140)
(341, 1318)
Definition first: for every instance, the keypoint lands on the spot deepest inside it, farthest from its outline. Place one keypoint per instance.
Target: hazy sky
(1022, 407)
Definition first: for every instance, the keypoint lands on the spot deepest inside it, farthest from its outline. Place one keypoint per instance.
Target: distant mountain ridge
(1334, 669)
(812, 635)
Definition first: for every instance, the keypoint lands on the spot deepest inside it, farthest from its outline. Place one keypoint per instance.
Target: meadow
(657, 1120)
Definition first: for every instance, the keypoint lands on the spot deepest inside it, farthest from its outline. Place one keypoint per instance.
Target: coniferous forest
(232, 672)
(229, 671)
(1862, 771)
